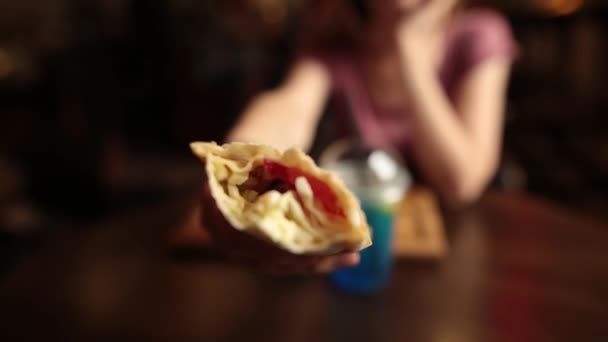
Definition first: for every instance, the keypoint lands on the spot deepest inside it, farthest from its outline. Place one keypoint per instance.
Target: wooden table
(518, 269)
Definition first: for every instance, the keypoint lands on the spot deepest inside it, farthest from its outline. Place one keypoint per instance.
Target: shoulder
(479, 34)
(482, 23)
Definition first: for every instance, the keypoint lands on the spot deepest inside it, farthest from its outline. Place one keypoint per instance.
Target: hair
(334, 24)
(340, 25)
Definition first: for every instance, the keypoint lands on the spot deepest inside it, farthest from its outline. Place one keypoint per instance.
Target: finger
(348, 260)
(332, 263)
(325, 266)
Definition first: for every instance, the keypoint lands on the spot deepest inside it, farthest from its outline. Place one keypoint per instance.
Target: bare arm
(287, 116)
(458, 145)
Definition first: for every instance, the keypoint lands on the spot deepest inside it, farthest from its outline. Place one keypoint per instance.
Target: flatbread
(296, 219)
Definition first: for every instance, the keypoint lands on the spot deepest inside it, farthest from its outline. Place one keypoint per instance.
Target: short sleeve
(481, 35)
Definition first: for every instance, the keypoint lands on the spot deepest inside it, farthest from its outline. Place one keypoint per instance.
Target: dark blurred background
(99, 99)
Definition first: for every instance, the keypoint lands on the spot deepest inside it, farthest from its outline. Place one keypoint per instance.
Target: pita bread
(321, 219)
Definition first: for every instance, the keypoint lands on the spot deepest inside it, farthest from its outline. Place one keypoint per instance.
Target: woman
(421, 75)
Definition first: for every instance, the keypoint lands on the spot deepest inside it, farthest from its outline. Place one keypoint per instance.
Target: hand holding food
(260, 202)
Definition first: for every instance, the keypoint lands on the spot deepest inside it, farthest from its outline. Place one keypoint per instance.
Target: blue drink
(373, 272)
(379, 181)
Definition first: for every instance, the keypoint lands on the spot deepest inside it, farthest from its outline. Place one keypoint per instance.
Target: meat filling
(274, 176)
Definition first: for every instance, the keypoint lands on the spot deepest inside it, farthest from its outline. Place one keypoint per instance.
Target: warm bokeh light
(6, 63)
(559, 7)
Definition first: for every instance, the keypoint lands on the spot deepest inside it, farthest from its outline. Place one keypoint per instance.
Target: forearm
(271, 120)
(287, 116)
(456, 140)
(447, 152)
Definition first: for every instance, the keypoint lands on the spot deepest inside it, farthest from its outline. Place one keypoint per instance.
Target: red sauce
(320, 189)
